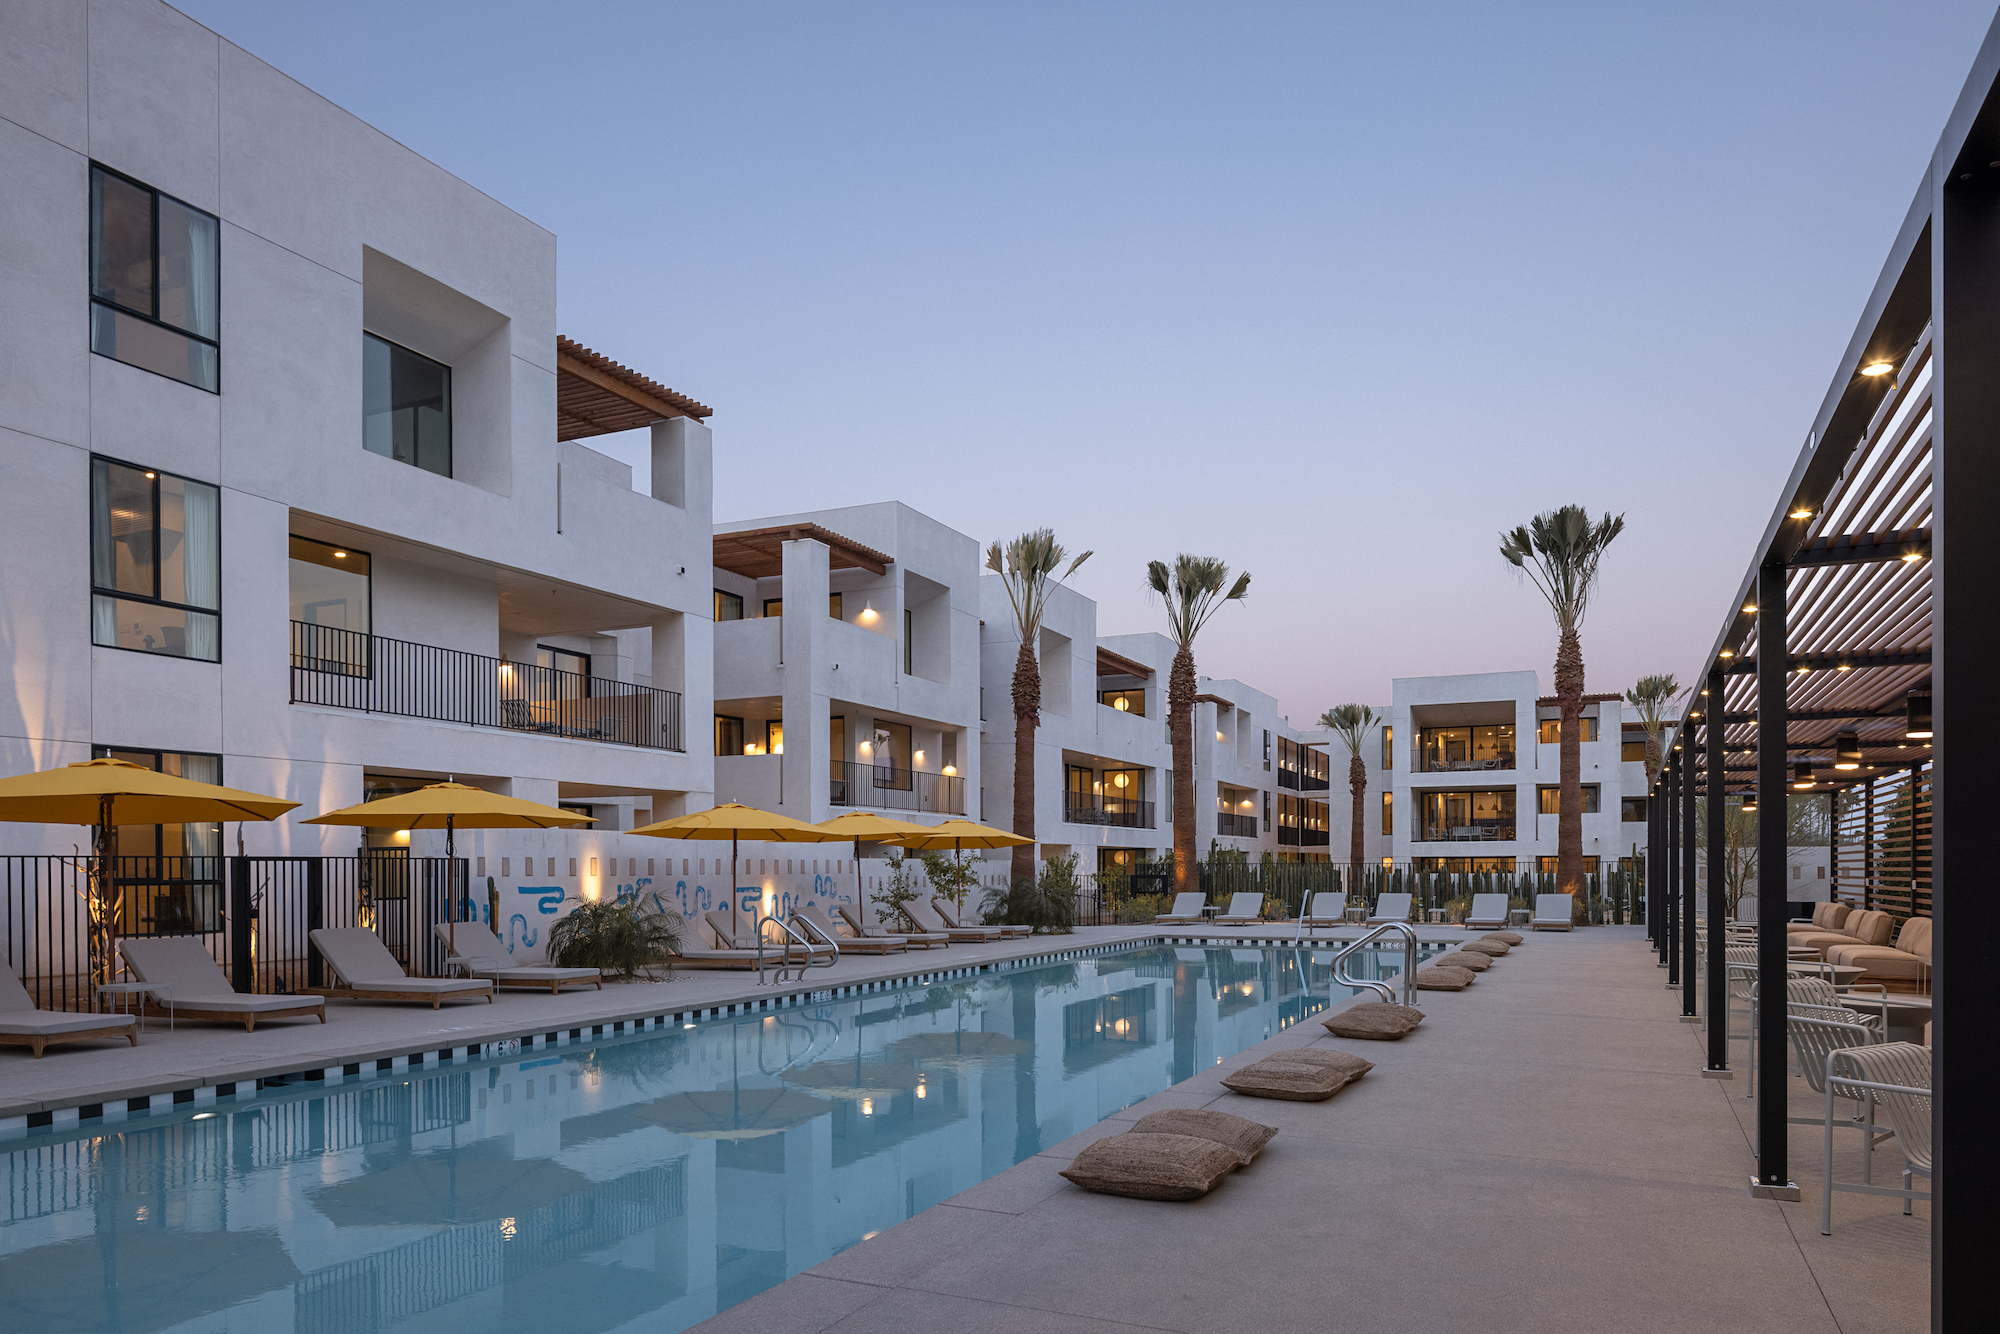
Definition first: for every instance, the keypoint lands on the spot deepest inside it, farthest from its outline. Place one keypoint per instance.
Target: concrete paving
(1540, 1155)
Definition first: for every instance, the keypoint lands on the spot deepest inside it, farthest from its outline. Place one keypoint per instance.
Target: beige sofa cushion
(1245, 1137)
(1152, 1167)
(1915, 937)
(1825, 917)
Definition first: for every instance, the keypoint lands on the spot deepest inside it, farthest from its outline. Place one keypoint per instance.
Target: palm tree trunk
(1569, 808)
(1357, 783)
(1180, 726)
(1027, 717)
(1652, 755)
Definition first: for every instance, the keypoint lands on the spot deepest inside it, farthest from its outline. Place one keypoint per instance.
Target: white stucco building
(290, 497)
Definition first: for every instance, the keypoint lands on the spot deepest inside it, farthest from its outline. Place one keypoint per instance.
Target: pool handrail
(813, 928)
(799, 970)
(1387, 992)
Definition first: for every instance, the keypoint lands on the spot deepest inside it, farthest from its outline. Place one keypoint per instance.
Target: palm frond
(1559, 550)
(1027, 567)
(1193, 589)
(1351, 723)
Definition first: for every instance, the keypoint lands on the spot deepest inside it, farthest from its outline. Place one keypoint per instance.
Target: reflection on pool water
(662, 1177)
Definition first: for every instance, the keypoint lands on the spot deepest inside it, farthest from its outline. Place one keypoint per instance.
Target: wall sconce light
(1802, 775)
(1917, 720)
(1219, 736)
(1847, 751)
(919, 756)
(950, 770)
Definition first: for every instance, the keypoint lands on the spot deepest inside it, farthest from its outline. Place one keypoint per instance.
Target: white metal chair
(1896, 1076)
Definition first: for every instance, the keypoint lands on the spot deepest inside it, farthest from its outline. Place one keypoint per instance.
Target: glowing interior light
(868, 1107)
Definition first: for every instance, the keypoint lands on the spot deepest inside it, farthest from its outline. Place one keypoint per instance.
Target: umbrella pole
(732, 882)
(451, 883)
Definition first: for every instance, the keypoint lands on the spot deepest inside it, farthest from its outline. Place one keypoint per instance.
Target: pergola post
(1671, 925)
(1689, 997)
(1656, 847)
(1774, 1174)
(1718, 900)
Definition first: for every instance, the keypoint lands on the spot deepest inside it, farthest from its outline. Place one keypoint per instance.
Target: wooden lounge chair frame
(36, 1041)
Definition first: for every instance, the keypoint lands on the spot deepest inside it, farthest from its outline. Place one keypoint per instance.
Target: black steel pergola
(1870, 604)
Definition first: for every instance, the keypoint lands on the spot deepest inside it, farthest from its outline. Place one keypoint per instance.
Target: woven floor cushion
(1244, 1137)
(1511, 937)
(1287, 1079)
(1478, 963)
(1379, 1021)
(1445, 978)
(1496, 948)
(1152, 1167)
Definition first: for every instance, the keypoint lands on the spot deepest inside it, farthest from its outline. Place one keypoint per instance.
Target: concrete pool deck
(1541, 1154)
(193, 1060)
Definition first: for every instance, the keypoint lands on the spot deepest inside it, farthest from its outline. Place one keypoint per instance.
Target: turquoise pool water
(658, 1178)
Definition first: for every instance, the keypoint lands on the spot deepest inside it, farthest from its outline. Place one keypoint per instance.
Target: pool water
(655, 1179)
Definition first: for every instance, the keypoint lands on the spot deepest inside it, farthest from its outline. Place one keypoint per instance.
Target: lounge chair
(1552, 912)
(1244, 910)
(480, 953)
(1187, 911)
(22, 1025)
(688, 954)
(369, 972)
(1390, 908)
(954, 920)
(1324, 910)
(856, 943)
(927, 917)
(865, 931)
(181, 967)
(1488, 910)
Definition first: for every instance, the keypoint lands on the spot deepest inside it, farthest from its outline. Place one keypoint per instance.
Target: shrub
(900, 889)
(616, 937)
(1138, 909)
(1048, 903)
(949, 879)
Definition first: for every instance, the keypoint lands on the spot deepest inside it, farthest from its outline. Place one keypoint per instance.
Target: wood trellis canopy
(758, 553)
(597, 396)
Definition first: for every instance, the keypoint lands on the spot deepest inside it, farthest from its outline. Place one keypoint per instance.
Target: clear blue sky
(1334, 292)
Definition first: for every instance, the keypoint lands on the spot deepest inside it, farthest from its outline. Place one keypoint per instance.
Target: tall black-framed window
(155, 562)
(728, 606)
(909, 641)
(565, 673)
(155, 281)
(405, 405)
(170, 875)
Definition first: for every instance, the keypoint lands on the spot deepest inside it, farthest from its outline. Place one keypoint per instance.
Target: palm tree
(1026, 567)
(1193, 588)
(1559, 550)
(1652, 699)
(1352, 723)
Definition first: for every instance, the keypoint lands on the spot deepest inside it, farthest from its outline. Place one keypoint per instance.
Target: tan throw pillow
(1478, 963)
(1496, 948)
(1511, 937)
(1380, 1021)
(1152, 1167)
(1245, 1137)
(1447, 978)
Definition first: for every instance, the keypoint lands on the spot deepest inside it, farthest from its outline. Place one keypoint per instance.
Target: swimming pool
(664, 1176)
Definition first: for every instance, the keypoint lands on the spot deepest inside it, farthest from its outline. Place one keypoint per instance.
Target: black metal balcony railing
(344, 669)
(1437, 763)
(1468, 833)
(1293, 837)
(1125, 813)
(1235, 826)
(887, 787)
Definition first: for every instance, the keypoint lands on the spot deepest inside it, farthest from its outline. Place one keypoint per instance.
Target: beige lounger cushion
(1246, 1138)
(1287, 1077)
(1510, 937)
(476, 949)
(1496, 948)
(1444, 978)
(1908, 959)
(1476, 963)
(19, 1017)
(1379, 1021)
(183, 966)
(1152, 1167)
(1187, 908)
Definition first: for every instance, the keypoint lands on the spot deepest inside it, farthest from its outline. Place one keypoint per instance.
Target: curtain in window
(202, 558)
(203, 290)
(103, 559)
(104, 621)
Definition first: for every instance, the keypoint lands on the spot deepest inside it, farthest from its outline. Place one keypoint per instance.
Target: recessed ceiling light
(1875, 368)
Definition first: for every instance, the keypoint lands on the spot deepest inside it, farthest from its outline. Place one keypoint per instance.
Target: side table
(161, 993)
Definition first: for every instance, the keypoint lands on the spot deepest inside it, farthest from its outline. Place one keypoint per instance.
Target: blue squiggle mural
(519, 934)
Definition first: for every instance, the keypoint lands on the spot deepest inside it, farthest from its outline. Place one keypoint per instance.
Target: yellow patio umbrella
(733, 820)
(858, 825)
(961, 834)
(448, 806)
(107, 793)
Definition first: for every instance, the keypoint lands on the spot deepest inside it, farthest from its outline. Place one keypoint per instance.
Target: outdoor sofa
(1908, 960)
(1859, 928)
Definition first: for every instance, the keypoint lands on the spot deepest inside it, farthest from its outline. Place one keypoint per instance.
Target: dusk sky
(1333, 292)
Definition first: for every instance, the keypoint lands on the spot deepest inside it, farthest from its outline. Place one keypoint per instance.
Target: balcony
(884, 787)
(1228, 825)
(1123, 812)
(1468, 833)
(343, 669)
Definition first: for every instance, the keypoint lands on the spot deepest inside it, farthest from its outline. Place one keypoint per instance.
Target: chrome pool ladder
(1387, 992)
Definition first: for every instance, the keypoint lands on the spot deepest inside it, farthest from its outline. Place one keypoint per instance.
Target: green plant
(950, 878)
(1352, 723)
(1142, 908)
(1194, 591)
(615, 937)
(1047, 903)
(1027, 569)
(900, 889)
(1652, 699)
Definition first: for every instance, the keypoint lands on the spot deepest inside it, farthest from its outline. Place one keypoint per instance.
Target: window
(1549, 798)
(833, 606)
(889, 753)
(1077, 779)
(330, 607)
(774, 737)
(1267, 812)
(728, 606)
(154, 281)
(1388, 813)
(1125, 701)
(1267, 752)
(774, 606)
(1631, 809)
(1632, 750)
(909, 641)
(1551, 731)
(836, 744)
(728, 735)
(170, 875)
(564, 674)
(1547, 865)
(405, 405)
(1388, 746)
(1474, 814)
(155, 562)
(1464, 749)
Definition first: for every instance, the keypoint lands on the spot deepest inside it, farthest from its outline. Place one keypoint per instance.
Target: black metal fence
(887, 787)
(253, 914)
(344, 669)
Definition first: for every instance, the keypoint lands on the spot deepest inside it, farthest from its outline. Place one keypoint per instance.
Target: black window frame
(1590, 790)
(737, 724)
(154, 475)
(211, 918)
(737, 598)
(450, 430)
(152, 316)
